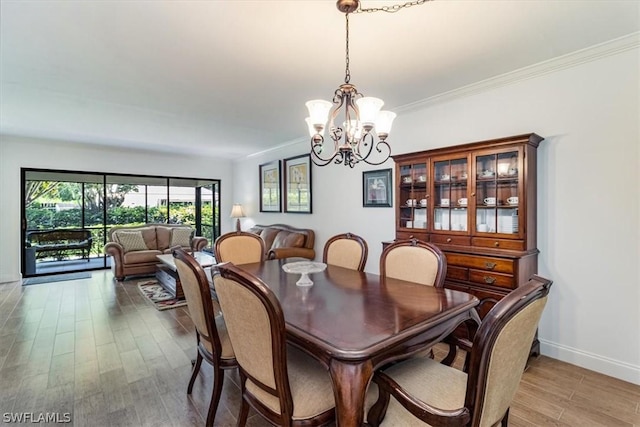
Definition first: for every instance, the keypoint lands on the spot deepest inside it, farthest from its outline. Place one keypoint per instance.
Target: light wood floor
(96, 349)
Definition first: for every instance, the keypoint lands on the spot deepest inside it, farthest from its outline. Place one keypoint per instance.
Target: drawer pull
(496, 244)
(489, 280)
(490, 265)
(449, 240)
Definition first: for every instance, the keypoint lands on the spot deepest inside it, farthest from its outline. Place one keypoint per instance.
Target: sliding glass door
(66, 214)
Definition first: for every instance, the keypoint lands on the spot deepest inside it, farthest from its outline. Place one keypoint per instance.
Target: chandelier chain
(347, 72)
(391, 9)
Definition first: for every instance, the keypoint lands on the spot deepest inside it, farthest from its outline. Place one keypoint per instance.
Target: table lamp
(237, 213)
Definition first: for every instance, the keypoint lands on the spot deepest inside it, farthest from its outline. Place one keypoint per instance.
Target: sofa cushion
(268, 235)
(182, 236)
(131, 240)
(141, 257)
(287, 239)
(149, 236)
(163, 234)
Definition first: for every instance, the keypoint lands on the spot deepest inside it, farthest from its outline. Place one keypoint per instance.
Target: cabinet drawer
(457, 273)
(481, 262)
(450, 240)
(491, 278)
(405, 235)
(512, 245)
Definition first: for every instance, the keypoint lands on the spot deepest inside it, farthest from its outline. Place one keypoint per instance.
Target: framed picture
(297, 184)
(270, 184)
(376, 189)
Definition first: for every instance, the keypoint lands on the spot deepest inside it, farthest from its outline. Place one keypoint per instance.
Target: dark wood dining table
(355, 322)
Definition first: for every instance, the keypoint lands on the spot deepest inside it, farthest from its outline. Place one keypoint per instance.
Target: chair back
(346, 250)
(414, 261)
(239, 247)
(256, 327)
(500, 351)
(198, 295)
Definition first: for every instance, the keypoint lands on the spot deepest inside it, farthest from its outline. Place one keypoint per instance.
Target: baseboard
(6, 278)
(604, 365)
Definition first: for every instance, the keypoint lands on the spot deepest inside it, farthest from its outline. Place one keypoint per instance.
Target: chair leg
(451, 355)
(244, 413)
(379, 409)
(194, 374)
(505, 419)
(218, 382)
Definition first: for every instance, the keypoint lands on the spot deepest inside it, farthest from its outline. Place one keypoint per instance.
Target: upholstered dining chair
(414, 261)
(282, 384)
(213, 342)
(239, 247)
(346, 250)
(426, 391)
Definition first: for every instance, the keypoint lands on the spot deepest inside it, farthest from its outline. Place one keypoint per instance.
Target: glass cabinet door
(497, 183)
(450, 196)
(413, 195)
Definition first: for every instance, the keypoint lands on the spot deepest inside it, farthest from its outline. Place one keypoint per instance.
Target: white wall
(16, 153)
(588, 209)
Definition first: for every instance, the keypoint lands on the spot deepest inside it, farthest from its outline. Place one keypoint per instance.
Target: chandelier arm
(379, 150)
(367, 142)
(317, 146)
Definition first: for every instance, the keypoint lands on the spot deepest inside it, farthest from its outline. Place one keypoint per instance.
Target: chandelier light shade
(237, 212)
(353, 120)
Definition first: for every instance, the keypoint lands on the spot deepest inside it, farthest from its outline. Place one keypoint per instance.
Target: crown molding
(612, 47)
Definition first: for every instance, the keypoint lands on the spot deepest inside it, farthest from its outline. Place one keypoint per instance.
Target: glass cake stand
(304, 268)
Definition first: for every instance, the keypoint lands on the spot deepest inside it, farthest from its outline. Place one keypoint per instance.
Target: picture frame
(377, 189)
(270, 185)
(297, 187)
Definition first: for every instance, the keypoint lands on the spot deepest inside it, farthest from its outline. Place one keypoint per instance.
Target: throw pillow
(131, 240)
(181, 236)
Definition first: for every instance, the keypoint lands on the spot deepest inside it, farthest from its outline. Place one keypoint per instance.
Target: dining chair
(414, 261)
(426, 391)
(239, 247)
(281, 383)
(213, 342)
(346, 250)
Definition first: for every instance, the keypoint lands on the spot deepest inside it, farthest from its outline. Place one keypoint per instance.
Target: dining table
(356, 322)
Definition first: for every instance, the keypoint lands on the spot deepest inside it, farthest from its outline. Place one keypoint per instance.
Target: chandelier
(353, 139)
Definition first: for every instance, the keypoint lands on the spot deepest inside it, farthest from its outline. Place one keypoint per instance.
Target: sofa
(284, 241)
(133, 250)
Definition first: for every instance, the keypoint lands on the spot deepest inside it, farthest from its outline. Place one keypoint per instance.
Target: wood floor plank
(87, 379)
(32, 394)
(108, 357)
(149, 407)
(64, 343)
(115, 389)
(62, 370)
(134, 366)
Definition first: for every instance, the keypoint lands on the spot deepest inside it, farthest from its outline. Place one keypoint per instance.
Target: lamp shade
(384, 122)
(311, 128)
(368, 107)
(237, 212)
(318, 111)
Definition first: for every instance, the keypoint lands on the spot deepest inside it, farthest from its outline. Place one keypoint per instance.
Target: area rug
(159, 296)
(56, 278)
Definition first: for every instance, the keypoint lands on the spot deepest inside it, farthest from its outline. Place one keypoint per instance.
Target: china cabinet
(477, 203)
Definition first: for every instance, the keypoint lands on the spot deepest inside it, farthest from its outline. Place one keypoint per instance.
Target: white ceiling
(230, 78)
